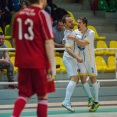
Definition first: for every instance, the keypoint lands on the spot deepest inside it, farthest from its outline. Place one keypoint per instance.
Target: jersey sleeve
(46, 23)
(89, 37)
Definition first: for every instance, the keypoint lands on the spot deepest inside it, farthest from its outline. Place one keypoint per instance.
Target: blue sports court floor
(106, 109)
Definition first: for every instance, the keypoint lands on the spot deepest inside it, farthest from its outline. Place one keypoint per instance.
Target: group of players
(33, 39)
(79, 60)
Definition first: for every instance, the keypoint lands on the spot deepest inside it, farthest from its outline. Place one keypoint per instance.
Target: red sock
(42, 108)
(19, 106)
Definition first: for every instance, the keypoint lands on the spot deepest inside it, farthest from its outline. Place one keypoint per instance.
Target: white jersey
(86, 53)
(70, 44)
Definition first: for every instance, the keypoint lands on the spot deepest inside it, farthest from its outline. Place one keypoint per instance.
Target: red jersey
(31, 28)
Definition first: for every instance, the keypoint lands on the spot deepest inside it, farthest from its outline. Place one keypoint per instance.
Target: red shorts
(31, 81)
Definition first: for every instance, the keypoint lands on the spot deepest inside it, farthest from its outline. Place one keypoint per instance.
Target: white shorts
(87, 68)
(71, 66)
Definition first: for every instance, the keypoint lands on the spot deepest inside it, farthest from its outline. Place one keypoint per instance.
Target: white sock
(69, 91)
(95, 91)
(87, 90)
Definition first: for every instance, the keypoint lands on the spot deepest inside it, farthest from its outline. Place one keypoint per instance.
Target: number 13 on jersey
(29, 23)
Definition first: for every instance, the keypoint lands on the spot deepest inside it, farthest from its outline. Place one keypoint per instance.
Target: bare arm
(68, 50)
(49, 46)
(58, 45)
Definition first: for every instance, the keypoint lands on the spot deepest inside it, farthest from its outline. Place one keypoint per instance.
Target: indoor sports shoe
(90, 101)
(94, 107)
(67, 106)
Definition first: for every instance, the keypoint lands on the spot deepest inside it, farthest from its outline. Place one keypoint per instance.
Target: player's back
(30, 35)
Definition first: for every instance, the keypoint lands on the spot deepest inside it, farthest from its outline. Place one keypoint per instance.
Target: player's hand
(50, 75)
(80, 60)
(63, 42)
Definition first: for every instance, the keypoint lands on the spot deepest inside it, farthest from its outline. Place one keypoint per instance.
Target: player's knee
(42, 97)
(83, 82)
(75, 79)
(83, 79)
(93, 79)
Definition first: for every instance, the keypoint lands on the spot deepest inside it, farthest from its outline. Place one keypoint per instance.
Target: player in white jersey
(85, 39)
(70, 60)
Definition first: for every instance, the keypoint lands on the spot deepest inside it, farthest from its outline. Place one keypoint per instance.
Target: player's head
(60, 25)
(82, 23)
(1, 38)
(43, 3)
(68, 22)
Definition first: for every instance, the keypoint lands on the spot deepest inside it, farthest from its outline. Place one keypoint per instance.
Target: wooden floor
(106, 109)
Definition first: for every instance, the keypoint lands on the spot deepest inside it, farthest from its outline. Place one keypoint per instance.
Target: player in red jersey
(33, 39)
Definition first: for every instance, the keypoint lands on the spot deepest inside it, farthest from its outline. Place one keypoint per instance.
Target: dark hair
(59, 21)
(33, 1)
(64, 18)
(84, 20)
(1, 33)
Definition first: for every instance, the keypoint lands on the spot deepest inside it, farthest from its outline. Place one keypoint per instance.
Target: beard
(71, 27)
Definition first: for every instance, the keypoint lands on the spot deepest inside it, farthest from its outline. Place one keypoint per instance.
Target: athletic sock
(95, 91)
(69, 91)
(42, 108)
(19, 106)
(87, 89)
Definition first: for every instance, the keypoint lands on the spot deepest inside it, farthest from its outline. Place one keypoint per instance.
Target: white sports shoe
(67, 106)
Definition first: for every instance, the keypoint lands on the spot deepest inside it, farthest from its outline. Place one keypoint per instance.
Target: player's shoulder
(91, 31)
(44, 13)
(66, 32)
(77, 32)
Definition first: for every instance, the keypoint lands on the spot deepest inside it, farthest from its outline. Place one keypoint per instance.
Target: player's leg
(95, 93)
(42, 87)
(87, 90)
(69, 91)
(92, 71)
(19, 106)
(25, 91)
(42, 106)
(71, 67)
(83, 76)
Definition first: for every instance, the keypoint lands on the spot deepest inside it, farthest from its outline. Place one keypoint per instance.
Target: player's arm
(14, 42)
(82, 43)
(47, 32)
(68, 50)
(49, 46)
